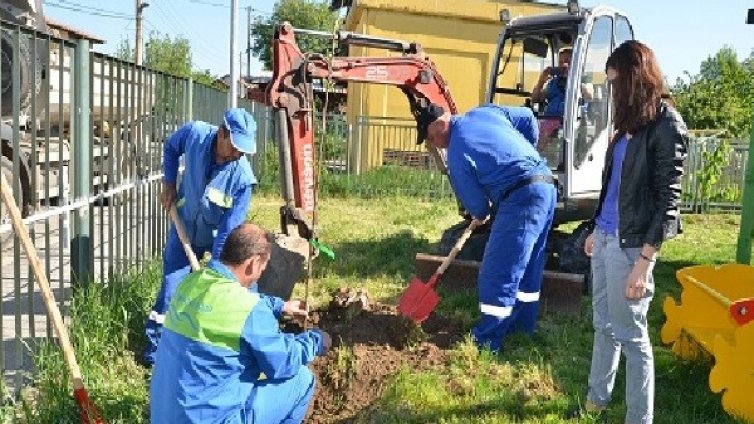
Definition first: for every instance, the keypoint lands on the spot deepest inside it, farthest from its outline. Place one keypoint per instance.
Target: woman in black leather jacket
(637, 211)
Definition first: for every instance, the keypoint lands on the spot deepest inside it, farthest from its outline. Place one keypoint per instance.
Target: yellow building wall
(459, 36)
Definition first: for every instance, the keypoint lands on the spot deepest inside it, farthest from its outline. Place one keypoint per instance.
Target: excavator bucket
(716, 316)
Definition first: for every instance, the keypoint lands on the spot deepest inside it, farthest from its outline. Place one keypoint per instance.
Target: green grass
(536, 380)
(388, 180)
(376, 239)
(107, 332)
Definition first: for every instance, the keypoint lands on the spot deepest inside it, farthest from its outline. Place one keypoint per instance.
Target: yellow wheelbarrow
(716, 315)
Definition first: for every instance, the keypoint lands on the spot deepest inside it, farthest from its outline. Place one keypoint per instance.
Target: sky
(681, 32)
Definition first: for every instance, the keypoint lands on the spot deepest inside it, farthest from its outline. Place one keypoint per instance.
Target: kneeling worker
(219, 338)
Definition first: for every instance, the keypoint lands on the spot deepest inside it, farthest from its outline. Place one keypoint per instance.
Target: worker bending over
(222, 357)
(493, 165)
(213, 198)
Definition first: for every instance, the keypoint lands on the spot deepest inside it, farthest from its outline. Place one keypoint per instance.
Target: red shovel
(420, 298)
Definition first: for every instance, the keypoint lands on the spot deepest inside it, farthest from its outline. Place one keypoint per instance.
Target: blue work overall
(223, 358)
(213, 199)
(493, 163)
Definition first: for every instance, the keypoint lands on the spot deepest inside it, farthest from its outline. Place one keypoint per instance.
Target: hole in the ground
(370, 345)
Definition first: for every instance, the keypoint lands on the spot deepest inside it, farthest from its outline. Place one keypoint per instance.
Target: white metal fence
(377, 155)
(82, 138)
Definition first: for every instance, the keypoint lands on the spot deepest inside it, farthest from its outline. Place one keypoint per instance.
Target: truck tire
(6, 167)
(29, 83)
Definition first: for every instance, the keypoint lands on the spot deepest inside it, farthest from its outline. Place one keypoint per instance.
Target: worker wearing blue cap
(494, 167)
(213, 198)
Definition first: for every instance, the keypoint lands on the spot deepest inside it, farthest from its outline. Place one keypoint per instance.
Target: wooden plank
(560, 293)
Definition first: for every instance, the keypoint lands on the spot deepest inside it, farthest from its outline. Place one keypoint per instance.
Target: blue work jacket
(555, 93)
(487, 155)
(213, 199)
(219, 340)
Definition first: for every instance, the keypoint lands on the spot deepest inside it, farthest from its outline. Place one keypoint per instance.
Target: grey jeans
(620, 324)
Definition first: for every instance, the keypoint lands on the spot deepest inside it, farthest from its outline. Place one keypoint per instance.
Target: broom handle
(44, 284)
(457, 248)
(184, 238)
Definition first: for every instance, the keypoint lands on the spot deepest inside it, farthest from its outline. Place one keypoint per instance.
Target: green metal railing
(746, 230)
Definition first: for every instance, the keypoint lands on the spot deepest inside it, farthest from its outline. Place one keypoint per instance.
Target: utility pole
(140, 6)
(233, 94)
(248, 41)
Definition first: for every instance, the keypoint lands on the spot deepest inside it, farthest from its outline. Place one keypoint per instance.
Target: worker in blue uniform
(494, 166)
(551, 85)
(213, 198)
(222, 357)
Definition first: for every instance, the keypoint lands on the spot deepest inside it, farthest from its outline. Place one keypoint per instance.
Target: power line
(260, 12)
(90, 8)
(209, 3)
(195, 47)
(209, 51)
(225, 6)
(88, 11)
(149, 24)
(169, 22)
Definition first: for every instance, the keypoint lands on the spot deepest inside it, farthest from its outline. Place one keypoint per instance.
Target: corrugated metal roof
(75, 32)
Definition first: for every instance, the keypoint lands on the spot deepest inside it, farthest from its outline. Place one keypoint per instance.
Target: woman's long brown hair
(638, 88)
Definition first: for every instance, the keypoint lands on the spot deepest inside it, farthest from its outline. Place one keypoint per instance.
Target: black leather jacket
(650, 187)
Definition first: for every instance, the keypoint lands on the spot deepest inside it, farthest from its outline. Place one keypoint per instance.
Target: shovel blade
(418, 301)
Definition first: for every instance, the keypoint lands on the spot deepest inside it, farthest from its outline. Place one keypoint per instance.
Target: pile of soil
(371, 343)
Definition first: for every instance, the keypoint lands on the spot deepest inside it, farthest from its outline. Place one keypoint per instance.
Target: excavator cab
(574, 134)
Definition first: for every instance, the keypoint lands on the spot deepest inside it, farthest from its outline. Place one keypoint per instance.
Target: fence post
(746, 230)
(258, 112)
(190, 99)
(81, 242)
(359, 141)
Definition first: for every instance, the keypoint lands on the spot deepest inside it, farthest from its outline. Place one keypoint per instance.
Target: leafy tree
(206, 78)
(721, 96)
(172, 56)
(125, 51)
(309, 14)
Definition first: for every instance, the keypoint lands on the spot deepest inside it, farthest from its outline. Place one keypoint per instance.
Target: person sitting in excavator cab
(551, 86)
(550, 90)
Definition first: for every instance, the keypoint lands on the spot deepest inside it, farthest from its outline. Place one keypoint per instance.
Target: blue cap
(242, 130)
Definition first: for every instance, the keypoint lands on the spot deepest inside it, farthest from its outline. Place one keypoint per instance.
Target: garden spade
(420, 298)
(89, 412)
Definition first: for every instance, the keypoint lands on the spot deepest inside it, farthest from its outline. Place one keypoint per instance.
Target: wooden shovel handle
(184, 238)
(44, 285)
(457, 248)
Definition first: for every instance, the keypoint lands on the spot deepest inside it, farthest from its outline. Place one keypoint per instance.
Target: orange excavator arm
(290, 95)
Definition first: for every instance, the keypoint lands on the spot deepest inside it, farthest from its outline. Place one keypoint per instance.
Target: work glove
(326, 341)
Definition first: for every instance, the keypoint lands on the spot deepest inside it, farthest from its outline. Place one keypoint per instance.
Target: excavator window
(523, 57)
(593, 114)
